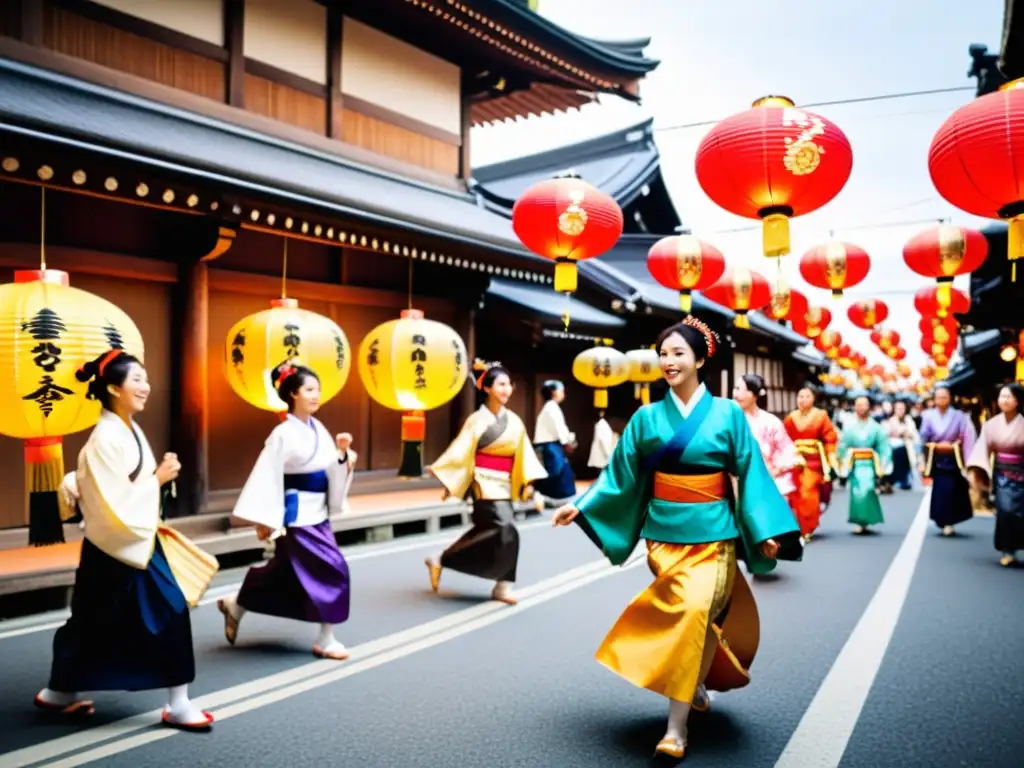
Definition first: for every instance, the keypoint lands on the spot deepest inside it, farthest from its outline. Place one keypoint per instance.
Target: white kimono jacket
(305, 452)
(121, 515)
(604, 443)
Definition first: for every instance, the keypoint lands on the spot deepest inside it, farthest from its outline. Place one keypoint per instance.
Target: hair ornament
(481, 367)
(106, 360)
(286, 370)
(710, 337)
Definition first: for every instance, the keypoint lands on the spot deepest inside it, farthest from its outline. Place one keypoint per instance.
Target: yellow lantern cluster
(644, 370)
(257, 344)
(601, 367)
(413, 365)
(47, 331)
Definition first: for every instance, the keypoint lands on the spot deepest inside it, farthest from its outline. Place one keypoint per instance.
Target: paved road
(456, 680)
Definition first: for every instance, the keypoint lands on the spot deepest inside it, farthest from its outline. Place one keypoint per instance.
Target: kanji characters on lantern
(644, 370)
(413, 365)
(601, 367)
(258, 343)
(772, 162)
(943, 252)
(47, 330)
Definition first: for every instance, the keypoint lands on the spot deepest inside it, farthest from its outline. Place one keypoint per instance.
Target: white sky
(718, 56)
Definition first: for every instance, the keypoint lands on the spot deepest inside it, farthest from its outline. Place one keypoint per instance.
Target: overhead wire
(834, 103)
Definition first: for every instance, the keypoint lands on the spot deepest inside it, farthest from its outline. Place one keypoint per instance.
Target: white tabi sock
(236, 611)
(326, 637)
(678, 712)
(180, 706)
(57, 697)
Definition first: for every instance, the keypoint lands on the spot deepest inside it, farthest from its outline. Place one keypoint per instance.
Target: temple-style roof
(515, 61)
(622, 164)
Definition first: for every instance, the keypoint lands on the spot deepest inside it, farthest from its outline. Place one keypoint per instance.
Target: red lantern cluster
(685, 264)
(741, 290)
(976, 161)
(773, 162)
(943, 252)
(566, 220)
(927, 303)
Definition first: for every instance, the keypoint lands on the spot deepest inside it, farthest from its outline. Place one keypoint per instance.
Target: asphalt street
(457, 680)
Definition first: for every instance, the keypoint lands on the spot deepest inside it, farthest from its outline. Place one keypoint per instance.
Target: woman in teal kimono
(866, 457)
(669, 481)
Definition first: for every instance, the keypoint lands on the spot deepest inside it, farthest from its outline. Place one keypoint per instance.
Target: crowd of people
(706, 482)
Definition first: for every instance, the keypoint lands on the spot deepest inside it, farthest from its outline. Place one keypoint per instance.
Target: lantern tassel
(645, 394)
(775, 235)
(686, 301)
(1015, 243)
(414, 430)
(44, 473)
(1020, 370)
(600, 399)
(741, 320)
(565, 275)
(637, 389)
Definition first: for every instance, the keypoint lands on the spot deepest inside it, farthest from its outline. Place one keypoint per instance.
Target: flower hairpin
(710, 337)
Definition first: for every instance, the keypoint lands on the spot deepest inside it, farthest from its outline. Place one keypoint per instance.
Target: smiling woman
(129, 627)
(696, 627)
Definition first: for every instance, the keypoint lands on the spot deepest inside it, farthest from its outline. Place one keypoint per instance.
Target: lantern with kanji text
(413, 365)
(48, 330)
(741, 290)
(975, 158)
(258, 343)
(644, 370)
(787, 304)
(867, 314)
(684, 263)
(772, 162)
(835, 266)
(567, 220)
(601, 367)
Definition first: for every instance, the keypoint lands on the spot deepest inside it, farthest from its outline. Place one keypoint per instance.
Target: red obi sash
(497, 463)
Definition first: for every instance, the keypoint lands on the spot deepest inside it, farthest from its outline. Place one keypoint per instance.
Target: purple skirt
(307, 580)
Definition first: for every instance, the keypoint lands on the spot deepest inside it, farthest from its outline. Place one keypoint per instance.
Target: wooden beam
(190, 375)
(234, 41)
(30, 21)
(466, 107)
(335, 35)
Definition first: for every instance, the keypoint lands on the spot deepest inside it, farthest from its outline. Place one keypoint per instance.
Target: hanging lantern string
(284, 271)
(42, 228)
(565, 315)
(410, 284)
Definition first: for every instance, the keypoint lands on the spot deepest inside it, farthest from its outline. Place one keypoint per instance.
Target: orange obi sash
(944, 448)
(691, 489)
(865, 454)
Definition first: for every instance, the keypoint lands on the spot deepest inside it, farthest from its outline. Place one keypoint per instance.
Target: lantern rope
(42, 228)
(410, 284)
(284, 271)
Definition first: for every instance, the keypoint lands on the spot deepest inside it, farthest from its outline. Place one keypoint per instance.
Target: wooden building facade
(181, 145)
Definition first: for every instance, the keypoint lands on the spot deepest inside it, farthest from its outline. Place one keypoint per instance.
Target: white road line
(56, 619)
(824, 731)
(321, 670)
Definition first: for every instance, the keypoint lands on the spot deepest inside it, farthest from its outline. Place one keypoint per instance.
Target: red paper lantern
(835, 266)
(829, 343)
(903, 370)
(814, 321)
(741, 290)
(683, 263)
(896, 353)
(927, 302)
(939, 330)
(787, 304)
(567, 220)
(943, 252)
(868, 314)
(773, 162)
(886, 338)
(976, 161)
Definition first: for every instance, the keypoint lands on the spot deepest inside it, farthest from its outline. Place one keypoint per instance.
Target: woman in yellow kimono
(696, 627)
(492, 462)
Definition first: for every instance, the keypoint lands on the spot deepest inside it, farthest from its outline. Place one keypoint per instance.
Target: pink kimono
(777, 449)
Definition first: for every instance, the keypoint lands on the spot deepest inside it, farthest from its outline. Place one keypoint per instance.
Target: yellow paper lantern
(47, 331)
(413, 365)
(257, 344)
(644, 370)
(601, 367)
